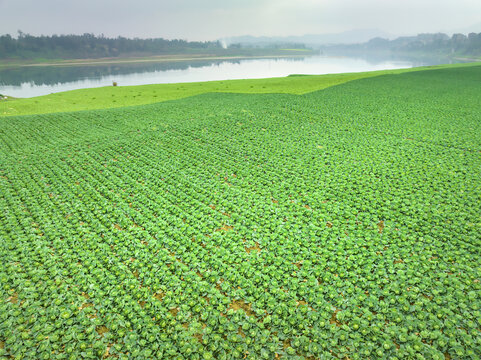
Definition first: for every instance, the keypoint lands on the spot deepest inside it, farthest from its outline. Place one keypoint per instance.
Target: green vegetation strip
(341, 224)
(114, 97)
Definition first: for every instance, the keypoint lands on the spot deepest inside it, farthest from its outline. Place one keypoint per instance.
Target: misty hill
(346, 37)
(422, 44)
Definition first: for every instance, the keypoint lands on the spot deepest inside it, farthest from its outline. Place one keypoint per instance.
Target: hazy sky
(213, 19)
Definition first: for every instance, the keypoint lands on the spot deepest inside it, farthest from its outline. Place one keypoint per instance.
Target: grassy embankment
(120, 96)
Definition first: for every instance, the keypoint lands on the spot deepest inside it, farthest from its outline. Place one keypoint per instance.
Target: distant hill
(346, 37)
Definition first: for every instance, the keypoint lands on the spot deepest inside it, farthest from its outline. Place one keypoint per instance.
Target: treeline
(430, 44)
(27, 46)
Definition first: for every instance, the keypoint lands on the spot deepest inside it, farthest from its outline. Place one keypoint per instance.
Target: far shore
(286, 53)
(148, 59)
(468, 59)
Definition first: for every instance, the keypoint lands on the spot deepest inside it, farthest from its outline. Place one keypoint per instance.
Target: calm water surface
(36, 81)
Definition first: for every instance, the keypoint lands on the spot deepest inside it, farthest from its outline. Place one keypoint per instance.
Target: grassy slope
(114, 97)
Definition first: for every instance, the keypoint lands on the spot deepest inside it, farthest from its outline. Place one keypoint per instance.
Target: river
(35, 81)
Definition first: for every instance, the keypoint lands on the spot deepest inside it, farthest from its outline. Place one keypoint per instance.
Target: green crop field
(344, 223)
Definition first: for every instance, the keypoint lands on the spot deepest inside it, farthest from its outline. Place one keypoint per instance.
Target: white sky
(214, 19)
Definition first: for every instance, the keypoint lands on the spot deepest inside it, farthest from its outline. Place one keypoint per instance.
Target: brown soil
(256, 248)
(380, 226)
(101, 329)
(241, 304)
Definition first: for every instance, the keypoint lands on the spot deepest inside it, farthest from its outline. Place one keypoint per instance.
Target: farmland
(343, 223)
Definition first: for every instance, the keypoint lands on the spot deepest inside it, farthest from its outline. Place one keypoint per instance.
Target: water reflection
(35, 81)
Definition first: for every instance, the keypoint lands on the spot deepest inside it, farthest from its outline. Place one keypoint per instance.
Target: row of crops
(343, 224)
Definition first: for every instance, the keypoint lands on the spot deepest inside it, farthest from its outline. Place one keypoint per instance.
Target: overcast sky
(214, 19)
